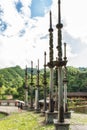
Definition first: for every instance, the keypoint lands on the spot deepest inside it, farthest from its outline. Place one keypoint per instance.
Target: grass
(33, 121)
(2, 115)
(24, 121)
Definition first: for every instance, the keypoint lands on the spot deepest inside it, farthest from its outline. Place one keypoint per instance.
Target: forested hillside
(12, 81)
(77, 79)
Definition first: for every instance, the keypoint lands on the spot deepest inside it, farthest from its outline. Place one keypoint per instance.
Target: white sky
(15, 50)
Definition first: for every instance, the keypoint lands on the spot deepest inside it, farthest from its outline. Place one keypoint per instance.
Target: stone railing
(8, 103)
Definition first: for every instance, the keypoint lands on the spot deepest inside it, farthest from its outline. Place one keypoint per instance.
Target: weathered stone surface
(61, 125)
(50, 116)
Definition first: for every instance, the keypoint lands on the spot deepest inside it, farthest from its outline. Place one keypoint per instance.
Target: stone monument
(67, 114)
(31, 88)
(60, 123)
(26, 89)
(45, 85)
(37, 107)
(50, 114)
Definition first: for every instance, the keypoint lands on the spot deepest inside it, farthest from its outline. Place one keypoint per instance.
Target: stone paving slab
(78, 127)
(8, 109)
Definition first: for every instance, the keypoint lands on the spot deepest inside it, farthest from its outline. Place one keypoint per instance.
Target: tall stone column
(56, 88)
(26, 98)
(51, 101)
(65, 95)
(37, 108)
(60, 124)
(60, 64)
(26, 87)
(31, 87)
(65, 81)
(45, 84)
(50, 65)
(50, 114)
(60, 95)
(36, 99)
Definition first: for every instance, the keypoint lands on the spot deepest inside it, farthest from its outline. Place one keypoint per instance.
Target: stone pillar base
(25, 107)
(61, 125)
(37, 110)
(67, 115)
(31, 108)
(43, 112)
(50, 116)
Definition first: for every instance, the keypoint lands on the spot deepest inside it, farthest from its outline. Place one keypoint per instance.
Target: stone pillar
(51, 101)
(61, 126)
(36, 99)
(65, 98)
(45, 84)
(26, 97)
(67, 114)
(60, 95)
(50, 113)
(65, 81)
(50, 65)
(56, 88)
(31, 98)
(60, 123)
(31, 88)
(37, 107)
(26, 89)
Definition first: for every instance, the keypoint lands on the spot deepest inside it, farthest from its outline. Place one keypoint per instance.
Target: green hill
(12, 80)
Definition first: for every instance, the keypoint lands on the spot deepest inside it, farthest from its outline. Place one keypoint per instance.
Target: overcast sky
(24, 32)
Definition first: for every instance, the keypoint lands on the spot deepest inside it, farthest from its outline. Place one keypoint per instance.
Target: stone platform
(50, 116)
(67, 115)
(61, 125)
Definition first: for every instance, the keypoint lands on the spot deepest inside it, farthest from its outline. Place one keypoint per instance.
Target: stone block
(61, 125)
(50, 116)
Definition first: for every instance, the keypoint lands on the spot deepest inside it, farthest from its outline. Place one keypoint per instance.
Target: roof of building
(77, 94)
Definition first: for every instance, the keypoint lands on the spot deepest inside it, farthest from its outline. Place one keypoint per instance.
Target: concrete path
(78, 127)
(8, 109)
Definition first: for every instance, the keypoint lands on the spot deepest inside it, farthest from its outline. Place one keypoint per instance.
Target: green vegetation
(77, 79)
(2, 115)
(24, 121)
(33, 121)
(12, 81)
